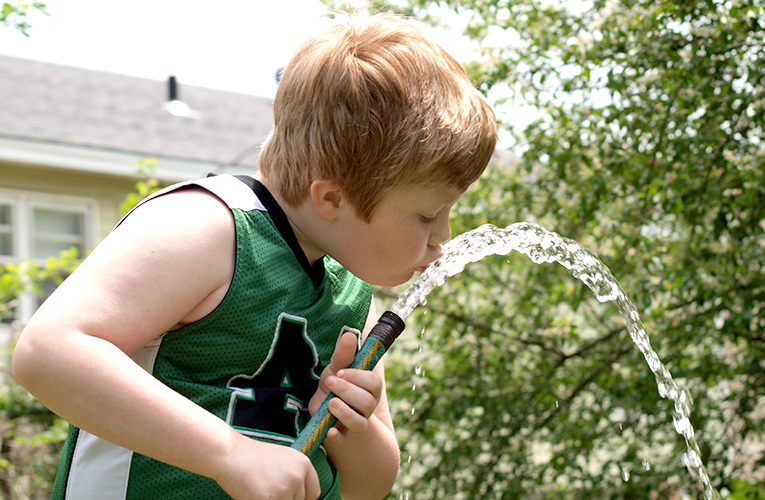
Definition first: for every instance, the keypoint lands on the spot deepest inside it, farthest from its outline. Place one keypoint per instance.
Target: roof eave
(104, 161)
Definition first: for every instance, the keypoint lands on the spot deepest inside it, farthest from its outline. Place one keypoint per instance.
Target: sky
(234, 45)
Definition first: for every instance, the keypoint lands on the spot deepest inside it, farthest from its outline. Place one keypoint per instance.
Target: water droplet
(683, 426)
(413, 410)
(662, 389)
(646, 465)
(691, 459)
(625, 474)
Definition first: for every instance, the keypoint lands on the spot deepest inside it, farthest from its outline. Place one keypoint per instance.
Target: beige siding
(106, 191)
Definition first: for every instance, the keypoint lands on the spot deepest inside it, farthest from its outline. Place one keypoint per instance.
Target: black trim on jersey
(62, 476)
(283, 225)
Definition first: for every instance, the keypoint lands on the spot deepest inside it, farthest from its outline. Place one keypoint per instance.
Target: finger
(348, 418)
(360, 399)
(367, 380)
(345, 350)
(336, 434)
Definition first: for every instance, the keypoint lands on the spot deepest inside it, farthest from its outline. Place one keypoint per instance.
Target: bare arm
(363, 445)
(167, 264)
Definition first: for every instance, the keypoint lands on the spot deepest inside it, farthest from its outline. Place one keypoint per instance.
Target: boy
(186, 348)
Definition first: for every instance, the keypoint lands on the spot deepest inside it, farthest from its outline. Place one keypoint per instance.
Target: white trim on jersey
(100, 469)
(235, 194)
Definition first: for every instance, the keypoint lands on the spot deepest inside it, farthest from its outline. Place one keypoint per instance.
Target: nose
(441, 231)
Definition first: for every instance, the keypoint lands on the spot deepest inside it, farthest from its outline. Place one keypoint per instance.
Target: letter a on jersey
(271, 402)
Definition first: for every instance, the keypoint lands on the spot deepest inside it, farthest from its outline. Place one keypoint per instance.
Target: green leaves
(32, 435)
(14, 15)
(146, 185)
(29, 276)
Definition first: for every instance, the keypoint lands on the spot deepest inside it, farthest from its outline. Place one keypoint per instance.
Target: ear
(327, 198)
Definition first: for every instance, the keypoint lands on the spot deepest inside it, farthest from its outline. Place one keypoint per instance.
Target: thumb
(345, 350)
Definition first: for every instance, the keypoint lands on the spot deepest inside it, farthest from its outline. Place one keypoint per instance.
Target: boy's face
(403, 237)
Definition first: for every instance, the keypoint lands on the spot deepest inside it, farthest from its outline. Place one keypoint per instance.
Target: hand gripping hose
(379, 340)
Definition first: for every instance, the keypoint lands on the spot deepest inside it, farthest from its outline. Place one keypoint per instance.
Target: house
(71, 140)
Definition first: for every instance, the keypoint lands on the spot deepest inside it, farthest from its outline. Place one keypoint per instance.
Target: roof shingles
(81, 107)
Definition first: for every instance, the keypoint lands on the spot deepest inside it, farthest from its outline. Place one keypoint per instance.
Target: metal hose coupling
(387, 329)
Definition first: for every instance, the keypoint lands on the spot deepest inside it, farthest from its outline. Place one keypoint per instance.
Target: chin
(404, 279)
(391, 281)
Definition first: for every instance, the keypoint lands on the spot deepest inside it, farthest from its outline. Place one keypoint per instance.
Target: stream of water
(541, 245)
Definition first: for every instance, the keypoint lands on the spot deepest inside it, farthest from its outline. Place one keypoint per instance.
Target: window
(36, 227)
(6, 230)
(55, 230)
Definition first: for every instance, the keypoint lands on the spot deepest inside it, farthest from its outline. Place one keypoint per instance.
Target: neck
(301, 220)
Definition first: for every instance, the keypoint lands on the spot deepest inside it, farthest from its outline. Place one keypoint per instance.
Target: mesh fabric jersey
(254, 361)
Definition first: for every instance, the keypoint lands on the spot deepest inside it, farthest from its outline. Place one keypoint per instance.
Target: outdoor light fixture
(175, 106)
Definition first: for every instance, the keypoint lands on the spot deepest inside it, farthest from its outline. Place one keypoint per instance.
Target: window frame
(22, 230)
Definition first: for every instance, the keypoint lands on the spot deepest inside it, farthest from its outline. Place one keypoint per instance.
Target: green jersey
(254, 361)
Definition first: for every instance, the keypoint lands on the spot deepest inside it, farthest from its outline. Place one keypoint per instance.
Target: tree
(146, 185)
(648, 149)
(14, 14)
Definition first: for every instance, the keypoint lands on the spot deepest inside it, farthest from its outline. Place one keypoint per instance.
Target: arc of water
(542, 246)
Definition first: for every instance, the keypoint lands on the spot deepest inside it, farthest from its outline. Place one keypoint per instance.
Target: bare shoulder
(189, 208)
(169, 262)
(189, 228)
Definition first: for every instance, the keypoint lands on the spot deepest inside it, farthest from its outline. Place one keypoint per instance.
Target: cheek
(398, 245)
(410, 243)
(397, 240)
